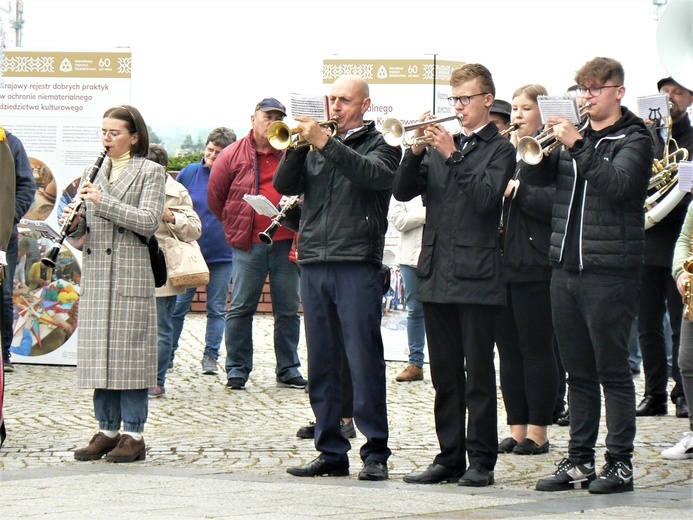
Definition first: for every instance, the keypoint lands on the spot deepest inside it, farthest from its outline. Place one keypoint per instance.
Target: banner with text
(54, 101)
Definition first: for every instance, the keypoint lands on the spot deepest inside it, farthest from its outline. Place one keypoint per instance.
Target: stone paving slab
(207, 444)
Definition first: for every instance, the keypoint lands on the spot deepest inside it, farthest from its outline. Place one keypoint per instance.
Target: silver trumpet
(395, 133)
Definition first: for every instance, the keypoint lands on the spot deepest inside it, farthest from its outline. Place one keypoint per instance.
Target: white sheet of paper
(41, 227)
(3, 258)
(262, 205)
(653, 107)
(685, 175)
(558, 106)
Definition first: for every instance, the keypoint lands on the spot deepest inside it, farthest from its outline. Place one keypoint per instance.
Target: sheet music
(685, 175)
(651, 108)
(313, 106)
(42, 228)
(558, 106)
(3, 258)
(262, 205)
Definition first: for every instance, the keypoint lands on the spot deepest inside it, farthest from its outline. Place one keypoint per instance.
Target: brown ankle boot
(99, 445)
(411, 373)
(128, 450)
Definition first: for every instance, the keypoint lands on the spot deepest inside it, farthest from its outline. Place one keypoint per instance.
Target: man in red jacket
(247, 167)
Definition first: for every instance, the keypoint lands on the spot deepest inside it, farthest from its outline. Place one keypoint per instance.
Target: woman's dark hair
(135, 125)
(158, 154)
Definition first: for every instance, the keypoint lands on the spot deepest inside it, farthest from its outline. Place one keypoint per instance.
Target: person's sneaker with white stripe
(568, 476)
(616, 476)
(681, 450)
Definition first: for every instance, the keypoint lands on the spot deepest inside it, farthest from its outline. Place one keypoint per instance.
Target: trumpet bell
(530, 150)
(279, 135)
(393, 131)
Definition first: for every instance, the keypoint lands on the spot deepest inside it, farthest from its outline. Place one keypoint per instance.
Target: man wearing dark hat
(500, 114)
(247, 167)
(659, 291)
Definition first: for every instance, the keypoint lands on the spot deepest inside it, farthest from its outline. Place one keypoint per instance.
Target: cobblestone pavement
(202, 438)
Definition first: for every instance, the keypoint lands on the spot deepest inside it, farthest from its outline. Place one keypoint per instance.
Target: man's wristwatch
(455, 158)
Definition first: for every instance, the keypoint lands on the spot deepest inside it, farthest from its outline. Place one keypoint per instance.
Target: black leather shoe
(434, 474)
(374, 470)
(318, 468)
(476, 476)
(650, 406)
(507, 445)
(564, 420)
(529, 447)
(681, 407)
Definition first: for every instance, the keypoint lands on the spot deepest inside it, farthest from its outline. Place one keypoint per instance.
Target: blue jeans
(592, 316)
(164, 311)
(217, 295)
(130, 407)
(7, 305)
(416, 330)
(250, 269)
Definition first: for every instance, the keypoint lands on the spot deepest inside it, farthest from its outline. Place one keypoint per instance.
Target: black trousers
(528, 370)
(455, 333)
(659, 293)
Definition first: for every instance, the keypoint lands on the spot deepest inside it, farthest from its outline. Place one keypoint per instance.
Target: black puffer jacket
(347, 187)
(600, 191)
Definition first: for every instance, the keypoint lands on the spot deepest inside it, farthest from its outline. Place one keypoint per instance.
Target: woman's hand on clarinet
(90, 192)
(69, 212)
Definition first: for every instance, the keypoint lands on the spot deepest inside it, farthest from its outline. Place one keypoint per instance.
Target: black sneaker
(235, 383)
(568, 476)
(615, 477)
(7, 365)
(294, 382)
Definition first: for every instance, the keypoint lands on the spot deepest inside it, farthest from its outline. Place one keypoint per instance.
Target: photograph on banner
(54, 102)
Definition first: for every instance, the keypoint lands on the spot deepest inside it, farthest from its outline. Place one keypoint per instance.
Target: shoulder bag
(186, 265)
(157, 258)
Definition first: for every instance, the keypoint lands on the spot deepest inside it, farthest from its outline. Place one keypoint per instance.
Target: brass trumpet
(395, 133)
(280, 135)
(510, 129)
(533, 149)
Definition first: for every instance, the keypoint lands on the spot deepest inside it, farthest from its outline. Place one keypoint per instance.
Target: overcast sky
(207, 62)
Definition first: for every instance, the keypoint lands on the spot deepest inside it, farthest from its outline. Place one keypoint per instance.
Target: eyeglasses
(113, 134)
(464, 100)
(594, 91)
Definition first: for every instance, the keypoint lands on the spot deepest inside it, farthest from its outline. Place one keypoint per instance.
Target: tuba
(675, 54)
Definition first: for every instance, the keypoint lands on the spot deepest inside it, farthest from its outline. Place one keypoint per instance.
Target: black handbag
(157, 258)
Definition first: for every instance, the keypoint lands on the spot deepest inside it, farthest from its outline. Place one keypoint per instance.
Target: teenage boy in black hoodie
(597, 248)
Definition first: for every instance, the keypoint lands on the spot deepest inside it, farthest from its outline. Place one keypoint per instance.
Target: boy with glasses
(462, 180)
(596, 251)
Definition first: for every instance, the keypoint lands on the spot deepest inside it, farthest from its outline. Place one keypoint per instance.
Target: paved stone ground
(204, 438)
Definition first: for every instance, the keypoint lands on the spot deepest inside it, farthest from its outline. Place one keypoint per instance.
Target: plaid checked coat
(117, 342)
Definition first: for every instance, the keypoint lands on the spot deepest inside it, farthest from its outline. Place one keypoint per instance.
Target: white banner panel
(54, 101)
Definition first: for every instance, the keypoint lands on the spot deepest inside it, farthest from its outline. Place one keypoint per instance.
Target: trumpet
(266, 235)
(280, 135)
(395, 133)
(533, 149)
(51, 258)
(510, 129)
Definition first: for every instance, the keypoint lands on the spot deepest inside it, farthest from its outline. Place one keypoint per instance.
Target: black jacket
(660, 239)
(460, 251)
(346, 190)
(598, 218)
(527, 230)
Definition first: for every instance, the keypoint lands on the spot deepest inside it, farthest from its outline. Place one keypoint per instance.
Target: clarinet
(266, 235)
(51, 258)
